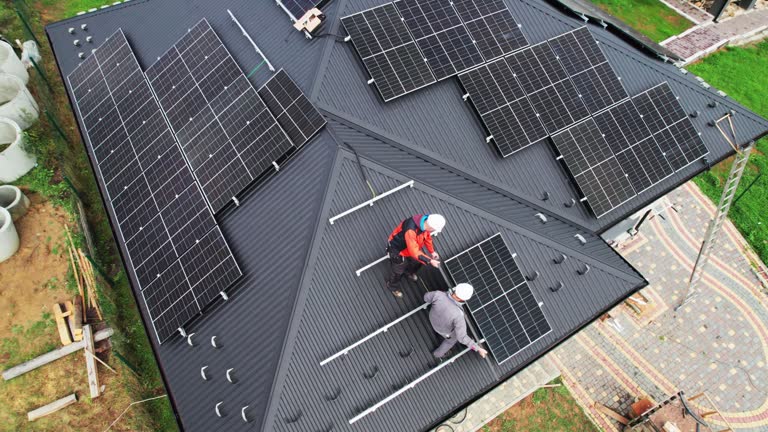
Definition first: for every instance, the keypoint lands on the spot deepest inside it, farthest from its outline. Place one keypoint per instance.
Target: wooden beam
(49, 357)
(61, 324)
(612, 414)
(51, 407)
(90, 363)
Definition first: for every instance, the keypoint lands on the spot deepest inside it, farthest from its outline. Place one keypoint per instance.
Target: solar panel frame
(509, 317)
(491, 25)
(158, 206)
(388, 51)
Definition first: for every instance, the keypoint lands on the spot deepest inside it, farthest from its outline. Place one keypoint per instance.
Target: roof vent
(296, 417)
(585, 270)
(557, 287)
(581, 239)
(570, 203)
(561, 259)
(219, 411)
(213, 342)
(532, 277)
(333, 396)
(202, 373)
(541, 217)
(230, 378)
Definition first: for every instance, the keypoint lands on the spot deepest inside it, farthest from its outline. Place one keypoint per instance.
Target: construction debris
(61, 315)
(82, 270)
(53, 355)
(51, 407)
(90, 355)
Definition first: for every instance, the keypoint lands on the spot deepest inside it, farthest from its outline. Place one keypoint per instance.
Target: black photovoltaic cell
(585, 63)
(440, 35)
(509, 317)
(160, 211)
(388, 51)
(299, 7)
(632, 146)
(491, 26)
(217, 116)
(294, 112)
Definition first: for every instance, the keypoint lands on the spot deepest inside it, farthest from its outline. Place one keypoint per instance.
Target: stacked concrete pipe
(9, 238)
(14, 160)
(11, 64)
(14, 200)
(16, 102)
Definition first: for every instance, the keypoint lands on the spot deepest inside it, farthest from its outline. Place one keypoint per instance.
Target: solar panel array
(160, 210)
(508, 315)
(622, 151)
(293, 111)
(229, 136)
(300, 7)
(524, 97)
(410, 44)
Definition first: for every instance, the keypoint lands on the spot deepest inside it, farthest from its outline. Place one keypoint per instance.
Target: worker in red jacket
(406, 248)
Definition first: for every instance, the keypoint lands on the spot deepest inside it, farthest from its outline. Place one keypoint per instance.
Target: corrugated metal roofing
(300, 301)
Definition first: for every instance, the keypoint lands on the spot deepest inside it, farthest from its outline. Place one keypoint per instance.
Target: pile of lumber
(69, 320)
(85, 278)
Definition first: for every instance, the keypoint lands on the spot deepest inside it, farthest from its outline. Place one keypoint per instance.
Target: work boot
(436, 361)
(412, 277)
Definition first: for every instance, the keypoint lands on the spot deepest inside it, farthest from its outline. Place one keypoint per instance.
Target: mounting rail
(247, 36)
(370, 201)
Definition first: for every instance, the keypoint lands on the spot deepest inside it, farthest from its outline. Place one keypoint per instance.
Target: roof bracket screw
(532, 277)
(561, 259)
(584, 271)
(571, 203)
(557, 287)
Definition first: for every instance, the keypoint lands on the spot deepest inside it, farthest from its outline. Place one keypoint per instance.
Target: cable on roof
(359, 162)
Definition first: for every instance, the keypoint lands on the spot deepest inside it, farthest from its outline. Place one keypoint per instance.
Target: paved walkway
(717, 343)
(689, 11)
(707, 36)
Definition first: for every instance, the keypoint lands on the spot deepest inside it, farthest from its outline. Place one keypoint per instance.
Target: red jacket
(410, 239)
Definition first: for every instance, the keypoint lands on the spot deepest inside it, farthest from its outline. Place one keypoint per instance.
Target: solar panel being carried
(588, 68)
(509, 317)
(161, 213)
(388, 51)
(630, 147)
(229, 136)
(294, 112)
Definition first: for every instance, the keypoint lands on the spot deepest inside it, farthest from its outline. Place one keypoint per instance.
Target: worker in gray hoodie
(446, 315)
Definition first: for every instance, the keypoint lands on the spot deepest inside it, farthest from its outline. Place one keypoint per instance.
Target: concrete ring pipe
(14, 200)
(14, 160)
(9, 238)
(16, 102)
(11, 64)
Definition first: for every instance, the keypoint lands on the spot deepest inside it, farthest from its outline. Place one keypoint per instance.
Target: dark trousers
(399, 266)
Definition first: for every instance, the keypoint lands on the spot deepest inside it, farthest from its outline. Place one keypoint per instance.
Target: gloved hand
(483, 353)
(435, 256)
(435, 263)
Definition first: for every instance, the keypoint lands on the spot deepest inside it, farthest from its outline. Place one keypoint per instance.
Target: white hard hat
(436, 222)
(463, 291)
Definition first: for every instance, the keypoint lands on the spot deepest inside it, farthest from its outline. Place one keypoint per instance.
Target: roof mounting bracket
(218, 411)
(189, 339)
(277, 167)
(202, 372)
(584, 271)
(532, 277)
(465, 96)
(488, 138)
(229, 376)
(370, 202)
(570, 203)
(182, 332)
(224, 295)
(557, 287)
(348, 38)
(213, 342)
(541, 217)
(242, 413)
(561, 259)
(236, 201)
(370, 81)
(581, 239)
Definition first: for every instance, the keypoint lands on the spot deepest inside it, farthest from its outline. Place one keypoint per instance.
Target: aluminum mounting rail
(384, 329)
(247, 36)
(410, 385)
(370, 202)
(360, 271)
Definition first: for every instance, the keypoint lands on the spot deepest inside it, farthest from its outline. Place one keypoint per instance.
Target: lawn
(733, 70)
(63, 162)
(650, 17)
(546, 410)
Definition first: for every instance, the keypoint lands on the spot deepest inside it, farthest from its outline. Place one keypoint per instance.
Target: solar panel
(388, 51)
(293, 111)
(593, 77)
(226, 131)
(160, 210)
(508, 315)
(300, 7)
(440, 35)
(629, 148)
(492, 27)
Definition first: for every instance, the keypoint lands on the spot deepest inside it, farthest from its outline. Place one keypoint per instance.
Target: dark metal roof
(300, 300)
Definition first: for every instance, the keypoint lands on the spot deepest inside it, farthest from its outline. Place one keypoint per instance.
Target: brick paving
(691, 12)
(717, 343)
(697, 41)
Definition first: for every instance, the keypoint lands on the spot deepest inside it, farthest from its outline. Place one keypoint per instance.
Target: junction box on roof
(311, 21)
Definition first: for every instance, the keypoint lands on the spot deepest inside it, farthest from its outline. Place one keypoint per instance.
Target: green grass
(733, 70)
(70, 8)
(547, 410)
(650, 17)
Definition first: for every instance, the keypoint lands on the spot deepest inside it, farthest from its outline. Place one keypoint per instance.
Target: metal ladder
(710, 239)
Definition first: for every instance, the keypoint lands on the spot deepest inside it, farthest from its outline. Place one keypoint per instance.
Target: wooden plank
(74, 267)
(51, 407)
(611, 413)
(77, 332)
(90, 363)
(54, 355)
(61, 324)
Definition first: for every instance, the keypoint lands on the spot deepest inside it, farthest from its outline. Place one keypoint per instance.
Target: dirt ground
(546, 410)
(30, 282)
(33, 279)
